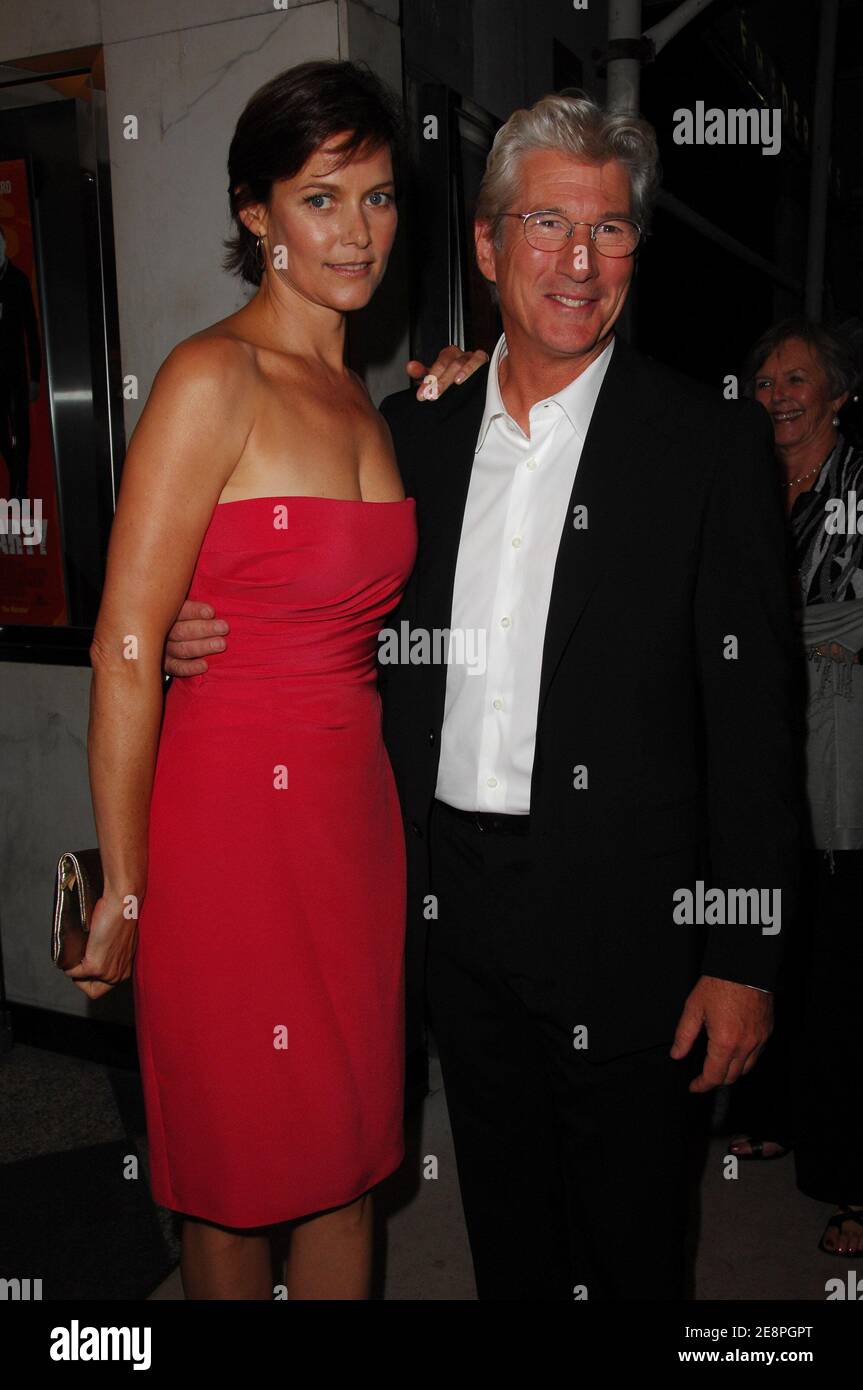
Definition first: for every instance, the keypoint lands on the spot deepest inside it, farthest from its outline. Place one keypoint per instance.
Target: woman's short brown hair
(285, 121)
(831, 347)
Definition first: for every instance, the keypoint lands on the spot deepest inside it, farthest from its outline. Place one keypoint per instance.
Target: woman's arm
(185, 447)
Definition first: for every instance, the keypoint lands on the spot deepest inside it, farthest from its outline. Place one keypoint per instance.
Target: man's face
(565, 301)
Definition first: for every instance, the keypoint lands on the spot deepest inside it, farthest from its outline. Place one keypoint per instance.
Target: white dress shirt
(517, 501)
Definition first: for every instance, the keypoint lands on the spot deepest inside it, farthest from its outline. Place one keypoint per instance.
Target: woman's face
(328, 232)
(792, 386)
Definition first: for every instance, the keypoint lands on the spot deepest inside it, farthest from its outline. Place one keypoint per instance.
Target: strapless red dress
(268, 977)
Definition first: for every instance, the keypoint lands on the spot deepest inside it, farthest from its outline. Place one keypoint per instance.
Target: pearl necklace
(801, 477)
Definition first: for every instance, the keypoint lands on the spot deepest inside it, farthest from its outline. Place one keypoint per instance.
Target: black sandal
(844, 1214)
(757, 1147)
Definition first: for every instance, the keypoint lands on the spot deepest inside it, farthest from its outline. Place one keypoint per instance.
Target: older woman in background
(803, 373)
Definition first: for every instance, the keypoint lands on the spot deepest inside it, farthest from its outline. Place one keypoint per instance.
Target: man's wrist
(737, 982)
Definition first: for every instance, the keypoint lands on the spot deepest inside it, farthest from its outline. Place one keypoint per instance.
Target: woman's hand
(110, 947)
(451, 367)
(837, 652)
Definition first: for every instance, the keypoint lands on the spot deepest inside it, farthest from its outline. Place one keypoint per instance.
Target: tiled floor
(67, 1123)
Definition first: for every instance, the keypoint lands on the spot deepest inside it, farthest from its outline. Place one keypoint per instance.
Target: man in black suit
(631, 733)
(604, 538)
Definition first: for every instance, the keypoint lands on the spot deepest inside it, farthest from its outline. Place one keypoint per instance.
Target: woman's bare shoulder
(206, 382)
(213, 349)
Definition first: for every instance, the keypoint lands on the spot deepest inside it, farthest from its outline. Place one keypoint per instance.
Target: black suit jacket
(692, 757)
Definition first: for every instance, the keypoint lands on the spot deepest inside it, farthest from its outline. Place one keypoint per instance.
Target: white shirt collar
(577, 399)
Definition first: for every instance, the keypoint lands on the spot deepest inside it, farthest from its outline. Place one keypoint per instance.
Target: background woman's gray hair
(833, 348)
(572, 123)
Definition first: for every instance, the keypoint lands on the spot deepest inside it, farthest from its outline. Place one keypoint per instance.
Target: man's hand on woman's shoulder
(451, 367)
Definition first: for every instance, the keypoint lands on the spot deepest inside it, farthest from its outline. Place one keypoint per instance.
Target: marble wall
(184, 68)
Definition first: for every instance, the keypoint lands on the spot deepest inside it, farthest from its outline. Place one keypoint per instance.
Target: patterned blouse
(830, 566)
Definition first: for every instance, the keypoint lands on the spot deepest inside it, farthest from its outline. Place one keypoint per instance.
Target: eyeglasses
(549, 231)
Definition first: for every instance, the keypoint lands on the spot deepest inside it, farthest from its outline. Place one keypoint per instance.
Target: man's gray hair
(572, 123)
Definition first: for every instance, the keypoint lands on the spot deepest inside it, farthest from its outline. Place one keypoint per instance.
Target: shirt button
(497, 703)
(491, 782)
(506, 622)
(516, 542)
(531, 463)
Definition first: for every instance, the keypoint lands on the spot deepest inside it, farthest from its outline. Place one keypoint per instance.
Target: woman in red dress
(252, 846)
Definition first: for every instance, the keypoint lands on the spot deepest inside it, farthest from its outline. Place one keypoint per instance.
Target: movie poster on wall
(31, 562)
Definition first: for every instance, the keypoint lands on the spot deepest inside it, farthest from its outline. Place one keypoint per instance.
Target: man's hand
(196, 631)
(738, 1020)
(450, 367)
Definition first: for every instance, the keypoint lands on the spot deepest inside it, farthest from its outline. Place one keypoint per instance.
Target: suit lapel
(616, 460)
(442, 495)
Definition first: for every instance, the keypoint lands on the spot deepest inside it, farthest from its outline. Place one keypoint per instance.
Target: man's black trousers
(573, 1175)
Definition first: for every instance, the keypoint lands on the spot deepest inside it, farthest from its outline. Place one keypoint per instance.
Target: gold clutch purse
(79, 887)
